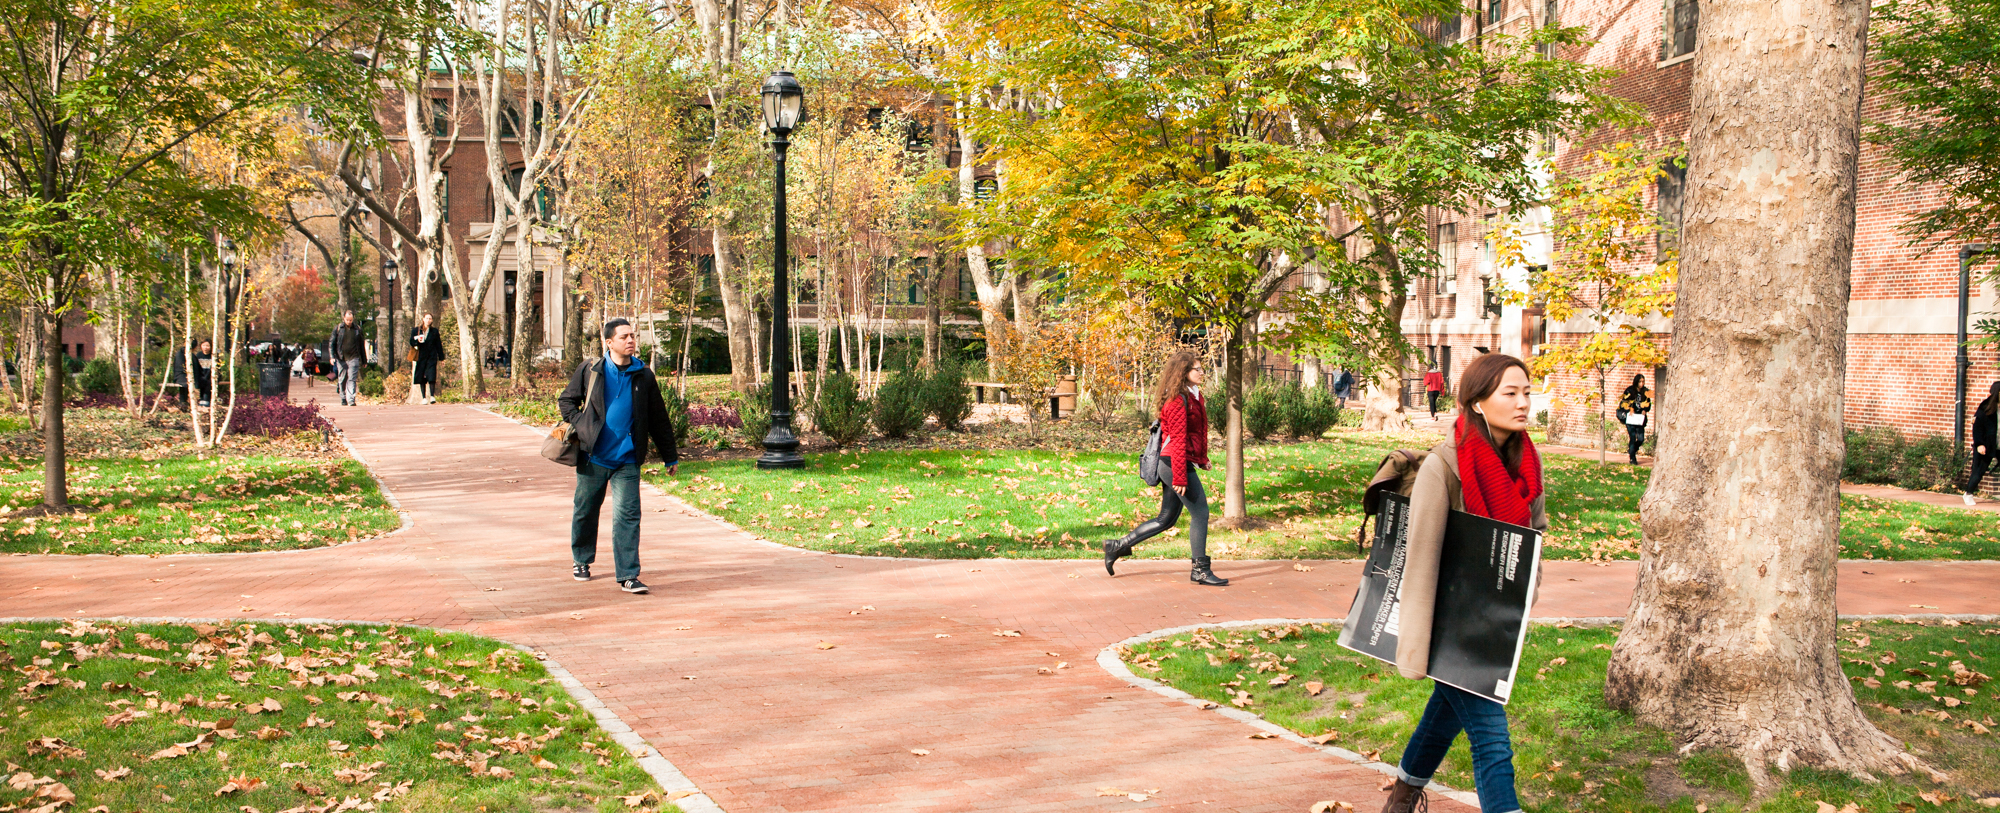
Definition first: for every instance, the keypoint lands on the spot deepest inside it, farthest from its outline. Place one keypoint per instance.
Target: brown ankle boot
(1406, 798)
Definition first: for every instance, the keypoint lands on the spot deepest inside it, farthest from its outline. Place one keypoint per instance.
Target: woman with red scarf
(1488, 468)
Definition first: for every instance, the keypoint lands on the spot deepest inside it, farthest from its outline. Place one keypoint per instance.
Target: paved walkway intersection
(721, 667)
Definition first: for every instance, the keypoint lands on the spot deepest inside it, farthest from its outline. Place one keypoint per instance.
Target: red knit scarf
(1488, 489)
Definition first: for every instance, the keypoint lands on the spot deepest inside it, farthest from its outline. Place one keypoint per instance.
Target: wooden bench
(1001, 396)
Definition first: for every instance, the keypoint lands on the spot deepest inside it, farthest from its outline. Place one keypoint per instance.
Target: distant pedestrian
(1985, 422)
(204, 372)
(1434, 384)
(307, 365)
(613, 404)
(1343, 387)
(427, 349)
(1635, 410)
(349, 349)
(1183, 449)
(1488, 468)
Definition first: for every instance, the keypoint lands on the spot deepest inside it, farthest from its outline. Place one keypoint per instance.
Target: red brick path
(743, 700)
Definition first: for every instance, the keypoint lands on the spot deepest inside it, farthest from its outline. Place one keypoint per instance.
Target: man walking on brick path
(613, 404)
(350, 351)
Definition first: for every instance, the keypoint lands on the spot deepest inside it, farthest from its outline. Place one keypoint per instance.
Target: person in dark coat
(1343, 387)
(1636, 401)
(1183, 448)
(347, 348)
(1985, 444)
(430, 351)
(613, 404)
(204, 372)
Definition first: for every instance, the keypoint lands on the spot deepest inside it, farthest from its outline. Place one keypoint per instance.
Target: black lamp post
(388, 342)
(784, 109)
(1964, 362)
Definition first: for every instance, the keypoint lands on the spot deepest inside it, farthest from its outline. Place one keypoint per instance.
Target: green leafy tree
(1938, 62)
(101, 102)
(1198, 152)
(1614, 264)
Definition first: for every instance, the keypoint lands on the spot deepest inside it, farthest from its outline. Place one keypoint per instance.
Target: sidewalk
(722, 669)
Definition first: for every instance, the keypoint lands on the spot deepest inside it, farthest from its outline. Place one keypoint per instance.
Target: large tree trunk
(736, 317)
(1730, 639)
(1234, 354)
(55, 459)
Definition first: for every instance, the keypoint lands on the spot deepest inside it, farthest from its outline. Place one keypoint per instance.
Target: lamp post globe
(784, 110)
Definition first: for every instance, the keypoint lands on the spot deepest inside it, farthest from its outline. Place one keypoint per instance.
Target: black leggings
(1196, 501)
(425, 389)
(1980, 463)
(1637, 437)
(1434, 402)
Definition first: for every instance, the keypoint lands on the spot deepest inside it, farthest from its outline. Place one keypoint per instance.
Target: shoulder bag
(1149, 460)
(560, 445)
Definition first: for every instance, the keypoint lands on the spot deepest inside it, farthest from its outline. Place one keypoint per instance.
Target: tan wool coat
(1432, 500)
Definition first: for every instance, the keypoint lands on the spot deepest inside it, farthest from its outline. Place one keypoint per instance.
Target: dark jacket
(649, 412)
(1986, 427)
(1632, 400)
(347, 337)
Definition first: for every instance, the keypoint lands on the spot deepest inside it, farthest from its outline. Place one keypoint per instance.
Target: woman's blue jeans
(1484, 722)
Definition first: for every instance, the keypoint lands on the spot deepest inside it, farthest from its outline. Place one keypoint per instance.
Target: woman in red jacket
(1183, 449)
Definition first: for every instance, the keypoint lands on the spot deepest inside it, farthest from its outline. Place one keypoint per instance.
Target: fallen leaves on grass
(239, 784)
(114, 774)
(181, 749)
(53, 748)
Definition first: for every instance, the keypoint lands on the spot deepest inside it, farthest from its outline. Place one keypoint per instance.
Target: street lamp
(1965, 254)
(784, 109)
(389, 288)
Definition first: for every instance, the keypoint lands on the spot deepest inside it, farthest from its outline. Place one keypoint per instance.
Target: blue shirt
(614, 441)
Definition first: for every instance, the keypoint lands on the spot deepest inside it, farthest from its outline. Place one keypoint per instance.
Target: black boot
(1404, 798)
(1202, 575)
(1116, 549)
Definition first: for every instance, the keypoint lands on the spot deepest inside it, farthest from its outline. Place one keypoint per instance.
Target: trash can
(274, 380)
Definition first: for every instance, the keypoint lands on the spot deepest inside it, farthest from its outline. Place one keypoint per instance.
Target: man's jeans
(1484, 722)
(350, 378)
(592, 481)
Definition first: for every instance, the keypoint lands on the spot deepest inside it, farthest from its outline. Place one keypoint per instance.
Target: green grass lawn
(282, 718)
(1573, 753)
(182, 503)
(972, 503)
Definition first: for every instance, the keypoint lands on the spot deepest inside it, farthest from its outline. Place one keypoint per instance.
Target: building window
(1447, 30)
(1447, 252)
(805, 278)
(1496, 11)
(440, 116)
(1673, 181)
(704, 276)
(917, 137)
(1683, 18)
(915, 281)
(1551, 17)
(1489, 254)
(444, 197)
(984, 189)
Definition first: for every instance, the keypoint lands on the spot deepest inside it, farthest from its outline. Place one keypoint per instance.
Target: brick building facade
(1903, 305)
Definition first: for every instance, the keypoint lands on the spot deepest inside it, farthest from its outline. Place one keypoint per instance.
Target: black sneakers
(580, 573)
(633, 586)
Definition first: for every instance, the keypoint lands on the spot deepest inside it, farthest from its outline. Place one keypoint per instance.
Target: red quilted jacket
(1184, 425)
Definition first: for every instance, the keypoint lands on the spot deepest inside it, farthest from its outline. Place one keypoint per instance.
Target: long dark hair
(1638, 383)
(1174, 378)
(1480, 379)
(1992, 401)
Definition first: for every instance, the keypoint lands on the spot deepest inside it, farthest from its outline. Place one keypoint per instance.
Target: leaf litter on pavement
(294, 719)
